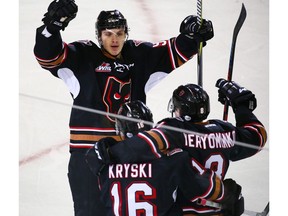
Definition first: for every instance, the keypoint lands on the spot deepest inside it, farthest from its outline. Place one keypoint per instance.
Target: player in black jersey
(211, 143)
(104, 77)
(148, 188)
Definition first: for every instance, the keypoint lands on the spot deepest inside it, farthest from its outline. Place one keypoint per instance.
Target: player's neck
(107, 54)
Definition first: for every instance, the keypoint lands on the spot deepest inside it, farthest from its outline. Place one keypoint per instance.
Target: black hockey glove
(235, 95)
(59, 14)
(190, 27)
(233, 202)
(94, 163)
(102, 149)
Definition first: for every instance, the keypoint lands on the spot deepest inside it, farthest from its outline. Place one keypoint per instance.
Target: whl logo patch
(104, 67)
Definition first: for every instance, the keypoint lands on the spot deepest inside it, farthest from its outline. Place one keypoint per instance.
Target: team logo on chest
(122, 67)
(104, 67)
(116, 93)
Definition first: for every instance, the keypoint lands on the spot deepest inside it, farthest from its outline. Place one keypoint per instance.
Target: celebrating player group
(126, 165)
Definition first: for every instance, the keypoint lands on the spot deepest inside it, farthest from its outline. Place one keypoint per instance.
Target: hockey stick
(200, 51)
(209, 203)
(237, 28)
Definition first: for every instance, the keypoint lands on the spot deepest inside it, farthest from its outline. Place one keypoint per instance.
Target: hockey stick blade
(263, 213)
(237, 28)
(209, 203)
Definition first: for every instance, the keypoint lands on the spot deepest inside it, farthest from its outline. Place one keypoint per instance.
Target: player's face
(113, 40)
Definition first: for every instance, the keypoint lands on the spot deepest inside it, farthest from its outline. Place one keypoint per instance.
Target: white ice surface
(44, 101)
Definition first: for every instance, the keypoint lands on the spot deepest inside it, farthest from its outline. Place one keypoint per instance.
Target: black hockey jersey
(102, 83)
(211, 144)
(151, 188)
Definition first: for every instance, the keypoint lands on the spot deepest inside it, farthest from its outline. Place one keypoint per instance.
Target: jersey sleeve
(49, 49)
(185, 47)
(180, 50)
(176, 51)
(164, 56)
(147, 145)
(249, 130)
(140, 148)
(198, 184)
(51, 52)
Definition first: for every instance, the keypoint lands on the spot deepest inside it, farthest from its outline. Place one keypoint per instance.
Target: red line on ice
(40, 154)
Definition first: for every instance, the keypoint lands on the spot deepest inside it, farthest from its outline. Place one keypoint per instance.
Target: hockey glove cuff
(233, 202)
(102, 149)
(235, 95)
(95, 165)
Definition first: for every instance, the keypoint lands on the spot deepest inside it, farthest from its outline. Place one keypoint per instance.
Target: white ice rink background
(44, 101)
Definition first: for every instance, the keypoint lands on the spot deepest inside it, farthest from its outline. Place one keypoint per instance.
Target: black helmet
(191, 100)
(110, 19)
(136, 110)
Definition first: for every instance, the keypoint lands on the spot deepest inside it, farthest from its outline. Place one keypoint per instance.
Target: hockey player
(149, 188)
(210, 143)
(103, 77)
